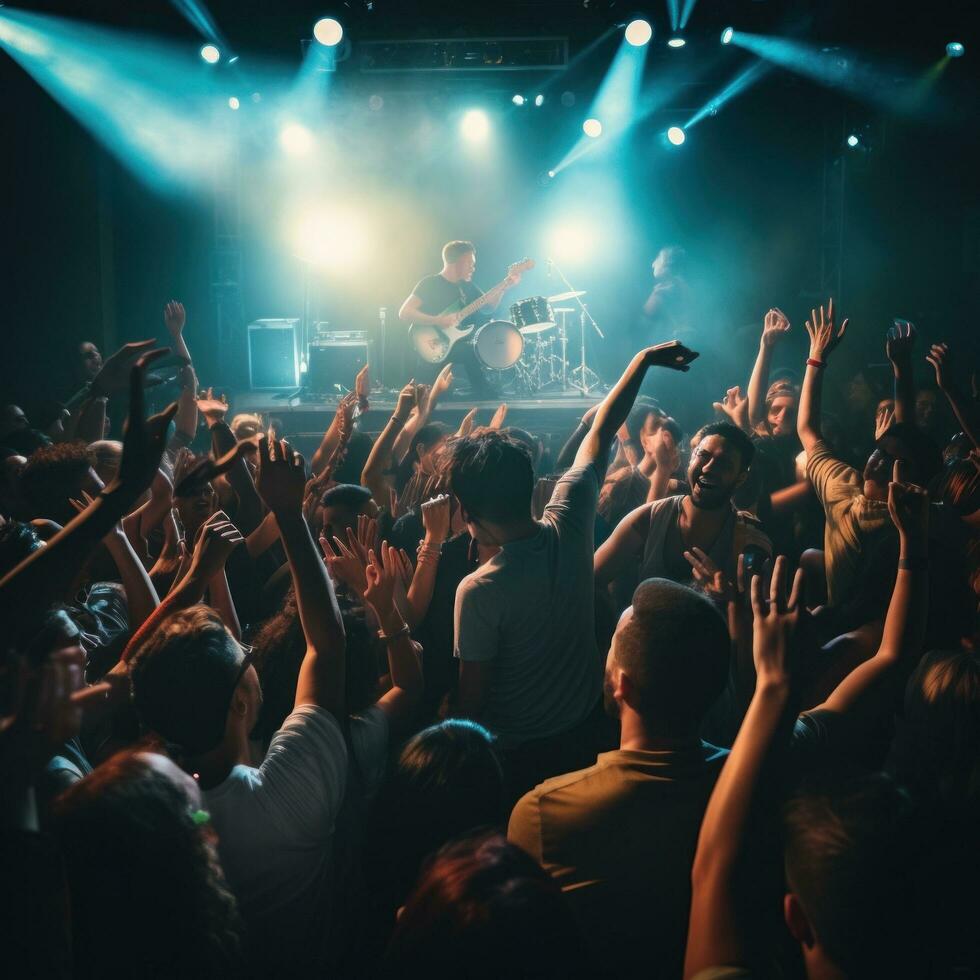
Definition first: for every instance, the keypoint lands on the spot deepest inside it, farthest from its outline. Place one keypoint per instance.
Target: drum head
(498, 345)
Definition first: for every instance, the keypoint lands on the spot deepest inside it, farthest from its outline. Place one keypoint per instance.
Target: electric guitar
(434, 344)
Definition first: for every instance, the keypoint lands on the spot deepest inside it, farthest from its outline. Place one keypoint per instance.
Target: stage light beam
(676, 135)
(955, 49)
(211, 54)
(328, 31)
(330, 239)
(727, 34)
(475, 126)
(638, 33)
(592, 128)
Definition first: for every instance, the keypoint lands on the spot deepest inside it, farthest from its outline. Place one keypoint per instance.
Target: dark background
(90, 252)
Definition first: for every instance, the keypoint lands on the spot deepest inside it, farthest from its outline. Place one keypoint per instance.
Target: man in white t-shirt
(524, 621)
(194, 685)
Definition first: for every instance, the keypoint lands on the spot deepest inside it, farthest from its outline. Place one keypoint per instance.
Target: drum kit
(531, 349)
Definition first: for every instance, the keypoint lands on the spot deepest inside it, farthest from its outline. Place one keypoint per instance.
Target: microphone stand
(587, 378)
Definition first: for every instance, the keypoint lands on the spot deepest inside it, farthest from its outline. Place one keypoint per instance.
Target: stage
(305, 418)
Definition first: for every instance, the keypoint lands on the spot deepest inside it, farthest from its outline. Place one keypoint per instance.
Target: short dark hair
(53, 474)
(675, 650)
(350, 495)
(455, 250)
(734, 435)
(849, 855)
(492, 476)
(183, 679)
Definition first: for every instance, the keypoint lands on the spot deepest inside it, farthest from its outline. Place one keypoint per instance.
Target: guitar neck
(479, 301)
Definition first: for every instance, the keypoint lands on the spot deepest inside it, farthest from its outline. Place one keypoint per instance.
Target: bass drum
(498, 345)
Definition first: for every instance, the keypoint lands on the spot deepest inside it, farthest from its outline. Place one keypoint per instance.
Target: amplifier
(336, 362)
(273, 355)
(339, 336)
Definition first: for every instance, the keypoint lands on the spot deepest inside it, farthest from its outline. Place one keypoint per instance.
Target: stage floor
(306, 417)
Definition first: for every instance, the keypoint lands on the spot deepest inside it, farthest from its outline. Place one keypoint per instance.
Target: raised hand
(281, 477)
(406, 402)
(193, 476)
(466, 425)
(422, 395)
(216, 540)
(381, 579)
(665, 452)
(144, 439)
(775, 326)
(908, 507)
(672, 354)
(117, 370)
(499, 417)
(899, 342)
(213, 409)
(345, 562)
(884, 419)
(443, 382)
(776, 621)
(174, 318)
(735, 406)
(823, 338)
(367, 533)
(709, 576)
(937, 357)
(362, 384)
(436, 515)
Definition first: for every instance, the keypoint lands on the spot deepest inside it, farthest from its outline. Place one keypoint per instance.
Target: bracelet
(433, 551)
(913, 564)
(395, 418)
(388, 637)
(813, 362)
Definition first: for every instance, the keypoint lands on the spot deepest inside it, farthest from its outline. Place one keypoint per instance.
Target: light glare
(638, 33)
(853, 141)
(539, 100)
(518, 100)
(676, 42)
(475, 126)
(295, 139)
(233, 102)
(955, 49)
(210, 54)
(676, 135)
(328, 32)
(330, 239)
(727, 34)
(592, 128)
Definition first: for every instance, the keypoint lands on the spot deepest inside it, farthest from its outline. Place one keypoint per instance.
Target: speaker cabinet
(273, 355)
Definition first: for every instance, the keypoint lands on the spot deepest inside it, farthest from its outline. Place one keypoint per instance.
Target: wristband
(913, 564)
(395, 418)
(388, 637)
(429, 552)
(813, 362)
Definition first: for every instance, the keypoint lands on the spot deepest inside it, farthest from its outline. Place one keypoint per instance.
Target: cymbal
(573, 294)
(537, 327)
(563, 309)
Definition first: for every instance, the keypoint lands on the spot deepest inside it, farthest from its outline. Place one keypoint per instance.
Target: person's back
(620, 836)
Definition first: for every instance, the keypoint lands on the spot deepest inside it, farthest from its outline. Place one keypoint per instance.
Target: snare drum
(498, 345)
(533, 314)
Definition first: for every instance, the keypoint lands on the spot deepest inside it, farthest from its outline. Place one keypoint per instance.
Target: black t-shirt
(438, 293)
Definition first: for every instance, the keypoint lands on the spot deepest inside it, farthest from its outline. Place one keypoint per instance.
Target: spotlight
(539, 100)
(233, 102)
(328, 32)
(551, 173)
(592, 128)
(853, 141)
(475, 126)
(295, 139)
(727, 34)
(518, 100)
(376, 103)
(330, 238)
(210, 54)
(572, 242)
(676, 42)
(676, 135)
(638, 33)
(955, 49)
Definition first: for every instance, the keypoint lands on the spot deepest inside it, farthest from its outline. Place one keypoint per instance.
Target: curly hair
(133, 850)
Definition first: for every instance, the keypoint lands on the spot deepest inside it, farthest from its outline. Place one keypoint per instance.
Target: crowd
(431, 704)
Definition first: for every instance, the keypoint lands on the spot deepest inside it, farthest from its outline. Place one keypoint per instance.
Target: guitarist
(433, 294)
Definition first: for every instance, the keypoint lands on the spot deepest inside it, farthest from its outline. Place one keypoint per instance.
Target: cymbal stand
(586, 378)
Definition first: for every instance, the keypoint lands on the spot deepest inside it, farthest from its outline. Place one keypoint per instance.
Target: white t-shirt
(275, 824)
(530, 610)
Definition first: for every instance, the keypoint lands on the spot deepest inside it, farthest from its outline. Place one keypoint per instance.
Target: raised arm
(774, 328)
(714, 935)
(400, 702)
(567, 455)
(823, 339)
(873, 686)
(899, 343)
(185, 423)
(343, 419)
(436, 518)
(963, 408)
(281, 480)
(379, 459)
(616, 406)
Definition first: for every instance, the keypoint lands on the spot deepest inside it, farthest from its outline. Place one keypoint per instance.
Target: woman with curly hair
(148, 897)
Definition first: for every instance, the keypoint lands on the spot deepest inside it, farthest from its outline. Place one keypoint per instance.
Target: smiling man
(651, 541)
